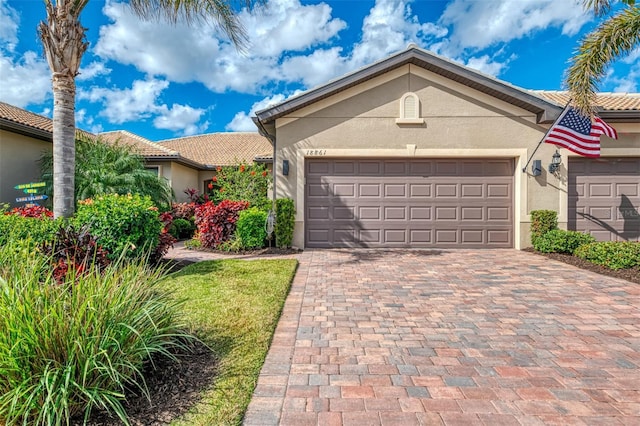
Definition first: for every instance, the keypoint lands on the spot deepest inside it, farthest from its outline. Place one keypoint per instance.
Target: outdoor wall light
(556, 160)
(285, 167)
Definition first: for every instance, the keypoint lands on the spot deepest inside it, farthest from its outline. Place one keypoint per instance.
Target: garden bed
(631, 274)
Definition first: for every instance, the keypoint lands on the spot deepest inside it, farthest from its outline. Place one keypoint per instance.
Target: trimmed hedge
(250, 229)
(542, 221)
(561, 241)
(121, 223)
(285, 222)
(15, 226)
(611, 254)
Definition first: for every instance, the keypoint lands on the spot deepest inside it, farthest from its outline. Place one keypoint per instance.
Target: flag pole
(524, 169)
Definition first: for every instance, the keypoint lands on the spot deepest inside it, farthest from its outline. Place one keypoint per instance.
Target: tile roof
(221, 149)
(607, 101)
(26, 118)
(143, 146)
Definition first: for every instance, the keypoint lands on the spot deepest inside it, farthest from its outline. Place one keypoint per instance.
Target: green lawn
(233, 306)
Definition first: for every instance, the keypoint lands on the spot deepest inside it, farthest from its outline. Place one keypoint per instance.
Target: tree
(101, 169)
(64, 42)
(616, 36)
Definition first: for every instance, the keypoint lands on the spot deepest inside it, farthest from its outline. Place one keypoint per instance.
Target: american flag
(577, 133)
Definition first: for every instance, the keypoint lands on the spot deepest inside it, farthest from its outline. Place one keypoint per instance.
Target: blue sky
(162, 81)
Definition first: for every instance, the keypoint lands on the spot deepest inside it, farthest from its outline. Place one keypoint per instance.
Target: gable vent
(409, 109)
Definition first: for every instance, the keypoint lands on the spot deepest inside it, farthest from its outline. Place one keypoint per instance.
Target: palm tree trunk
(64, 146)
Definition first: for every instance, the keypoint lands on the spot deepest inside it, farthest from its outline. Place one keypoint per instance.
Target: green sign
(30, 191)
(30, 185)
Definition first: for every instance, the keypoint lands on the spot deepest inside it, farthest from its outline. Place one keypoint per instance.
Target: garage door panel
(344, 168)
(604, 198)
(395, 190)
(369, 190)
(409, 203)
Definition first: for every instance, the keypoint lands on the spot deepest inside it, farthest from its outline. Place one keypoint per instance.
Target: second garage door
(445, 203)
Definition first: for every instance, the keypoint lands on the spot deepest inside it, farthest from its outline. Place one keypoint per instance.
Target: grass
(233, 306)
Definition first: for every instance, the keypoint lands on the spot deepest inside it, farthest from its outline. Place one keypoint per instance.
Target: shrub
(182, 228)
(128, 224)
(185, 211)
(67, 349)
(561, 241)
(244, 182)
(613, 255)
(542, 221)
(74, 251)
(32, 211)
(21, 225)
(165, 239)
(217, 223)
(285, 222)
(250, 230)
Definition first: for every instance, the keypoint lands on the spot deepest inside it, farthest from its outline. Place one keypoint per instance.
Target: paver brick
(467, 337)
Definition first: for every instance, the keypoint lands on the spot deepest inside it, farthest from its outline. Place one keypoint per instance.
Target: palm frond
(614, 38)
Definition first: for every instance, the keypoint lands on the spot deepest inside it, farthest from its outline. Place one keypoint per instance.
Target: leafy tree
(614, 37)
(102, 168)
(64, 41)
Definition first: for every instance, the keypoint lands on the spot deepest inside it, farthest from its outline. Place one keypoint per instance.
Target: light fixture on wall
(556, 160)
(285, 167)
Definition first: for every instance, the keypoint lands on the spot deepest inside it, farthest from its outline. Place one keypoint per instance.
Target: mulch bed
(631, 274)
(174, 386)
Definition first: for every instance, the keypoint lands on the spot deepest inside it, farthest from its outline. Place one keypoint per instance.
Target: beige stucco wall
(458, 122)
(183, 177)
(19, 157)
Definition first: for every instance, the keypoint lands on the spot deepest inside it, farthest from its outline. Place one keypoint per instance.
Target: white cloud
(25, 80)
(9, 23)
(242, 121)
(92, 70)
(480, 24)
(122, 105)
(198, 53)
(181, 118)
(489, 65)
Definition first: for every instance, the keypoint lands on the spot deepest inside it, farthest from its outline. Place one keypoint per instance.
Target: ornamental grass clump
(67, 348)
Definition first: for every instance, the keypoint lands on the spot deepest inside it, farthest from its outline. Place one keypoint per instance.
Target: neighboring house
(419, 151)
(24, 136)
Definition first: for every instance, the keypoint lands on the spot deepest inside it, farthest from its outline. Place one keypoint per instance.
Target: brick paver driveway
(451, 337)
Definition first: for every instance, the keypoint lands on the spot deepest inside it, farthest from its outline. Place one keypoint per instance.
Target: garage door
(604, 197)
(409, 203)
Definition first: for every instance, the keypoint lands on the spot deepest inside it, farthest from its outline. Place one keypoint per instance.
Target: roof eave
(25, 130)
(545, 111)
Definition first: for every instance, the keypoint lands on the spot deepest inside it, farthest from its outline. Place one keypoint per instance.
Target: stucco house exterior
(418, 151)
(185, 162)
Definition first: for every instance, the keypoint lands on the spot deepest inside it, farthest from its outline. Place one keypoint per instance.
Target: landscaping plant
(611, 254)
(285, 222)
(244, 182)
(250, 229)
(217, 222)
(70, 347)
(542, 221)
(128, 224)
(25, 223)
(561, 241)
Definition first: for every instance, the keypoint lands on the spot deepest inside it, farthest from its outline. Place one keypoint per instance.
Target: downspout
(266, 134)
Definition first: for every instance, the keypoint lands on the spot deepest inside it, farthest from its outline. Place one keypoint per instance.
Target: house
(418, 151)
(185, 162)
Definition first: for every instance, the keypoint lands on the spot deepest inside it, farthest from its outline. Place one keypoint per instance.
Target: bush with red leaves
(74, 250)
(183, 210)
(31, 211)
(166, 239)
(217, 223)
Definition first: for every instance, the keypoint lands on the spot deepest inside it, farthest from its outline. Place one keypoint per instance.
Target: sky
(164, 81)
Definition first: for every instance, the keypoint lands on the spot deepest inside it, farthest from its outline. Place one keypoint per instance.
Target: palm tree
(616, 36)
(63, 38)
(102, 168)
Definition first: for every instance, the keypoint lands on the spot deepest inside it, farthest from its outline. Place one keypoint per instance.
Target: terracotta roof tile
(221, 149)
(26, 118)
(143, 146)
(607, 101)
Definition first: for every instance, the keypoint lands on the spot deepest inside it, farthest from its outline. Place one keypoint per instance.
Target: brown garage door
(409, 203)
(604, 197)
